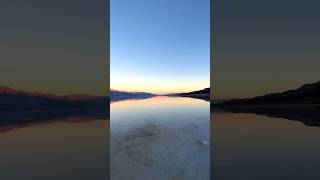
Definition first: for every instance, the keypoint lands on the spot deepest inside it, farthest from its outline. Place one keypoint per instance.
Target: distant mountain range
(308, 94)
(301, 104)
(122, 95)
(18, 100)
(201, 94)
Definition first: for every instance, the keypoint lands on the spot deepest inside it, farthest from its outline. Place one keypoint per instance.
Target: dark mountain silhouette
(122, 95)
(201, 94)
(11, 91)
(302, 104)
(17, 100)
(308, 94)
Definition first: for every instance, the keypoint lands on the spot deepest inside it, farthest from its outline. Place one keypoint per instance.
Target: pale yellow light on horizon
(159, 87)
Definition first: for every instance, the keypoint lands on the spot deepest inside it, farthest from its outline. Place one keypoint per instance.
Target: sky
(54, 46)
(261, 47)
(160, 46)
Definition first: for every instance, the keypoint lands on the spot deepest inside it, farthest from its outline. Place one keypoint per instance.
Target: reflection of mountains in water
(123, 95)
(112, 100)
(308, 115)
(17, 100)
(16, 120)
(301, 104)
(22, 108)
(140, 98)
(203, 94)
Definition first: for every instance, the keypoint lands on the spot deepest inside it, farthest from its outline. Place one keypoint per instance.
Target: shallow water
(160, 138)
(64, 149)
(249, 147)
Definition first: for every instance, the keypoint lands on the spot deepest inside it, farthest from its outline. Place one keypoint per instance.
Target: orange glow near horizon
(157, 87)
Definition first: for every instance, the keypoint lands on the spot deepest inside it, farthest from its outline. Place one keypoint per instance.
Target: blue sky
(160, 46)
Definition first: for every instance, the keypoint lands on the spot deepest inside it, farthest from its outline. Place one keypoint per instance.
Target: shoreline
(266, 106)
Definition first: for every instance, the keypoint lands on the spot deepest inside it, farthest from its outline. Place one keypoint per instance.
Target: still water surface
(163, 138)
(257, 147)
(64, 149)
(160, 138)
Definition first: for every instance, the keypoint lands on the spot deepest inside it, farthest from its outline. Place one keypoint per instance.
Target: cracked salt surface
(163, 138)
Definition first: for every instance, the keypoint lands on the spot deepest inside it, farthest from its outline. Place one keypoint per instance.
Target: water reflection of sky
(55, 150)
(249, 147)
(160, 138)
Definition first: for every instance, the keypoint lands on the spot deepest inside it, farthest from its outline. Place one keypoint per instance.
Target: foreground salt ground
(160, 138)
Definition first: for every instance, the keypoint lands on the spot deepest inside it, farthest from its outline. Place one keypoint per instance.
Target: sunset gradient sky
(160, 46)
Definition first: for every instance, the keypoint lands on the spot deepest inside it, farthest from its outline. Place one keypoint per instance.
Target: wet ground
(160, 138)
